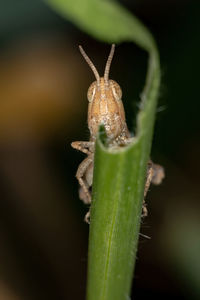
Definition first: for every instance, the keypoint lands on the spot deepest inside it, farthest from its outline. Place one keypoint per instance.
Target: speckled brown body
(105, 107)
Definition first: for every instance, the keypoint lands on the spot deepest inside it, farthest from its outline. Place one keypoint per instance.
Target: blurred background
(43, 108)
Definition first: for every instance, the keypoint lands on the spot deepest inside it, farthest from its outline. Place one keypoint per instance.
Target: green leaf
(119, 175)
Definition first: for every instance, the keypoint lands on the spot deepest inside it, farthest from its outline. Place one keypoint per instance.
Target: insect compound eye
(91, 91)
(117, 92)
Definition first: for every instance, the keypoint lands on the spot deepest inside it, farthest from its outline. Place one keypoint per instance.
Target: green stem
(119, 176)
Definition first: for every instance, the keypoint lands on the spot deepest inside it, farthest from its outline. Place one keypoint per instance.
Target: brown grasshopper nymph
(106, 108)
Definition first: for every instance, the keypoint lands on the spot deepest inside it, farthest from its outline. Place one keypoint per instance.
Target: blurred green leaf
(119, 175)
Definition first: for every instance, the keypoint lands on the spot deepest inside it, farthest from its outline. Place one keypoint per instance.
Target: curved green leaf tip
(119, 176)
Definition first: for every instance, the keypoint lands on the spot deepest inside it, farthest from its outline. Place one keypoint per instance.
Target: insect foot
(105, 107)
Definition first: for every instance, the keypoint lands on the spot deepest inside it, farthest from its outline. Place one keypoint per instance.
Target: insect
(106, 107)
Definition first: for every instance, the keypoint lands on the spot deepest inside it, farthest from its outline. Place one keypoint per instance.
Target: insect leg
(87, 217)
(155, 174)
(158, 174)
(82, 169)
(85, 147)
(149, 177)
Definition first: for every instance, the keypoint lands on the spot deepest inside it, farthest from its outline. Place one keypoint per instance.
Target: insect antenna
(108, 63)
(91, 65)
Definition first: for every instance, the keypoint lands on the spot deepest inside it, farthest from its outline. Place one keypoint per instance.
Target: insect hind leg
(84, 193)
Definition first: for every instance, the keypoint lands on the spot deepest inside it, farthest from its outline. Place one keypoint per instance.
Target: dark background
(43, 107)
